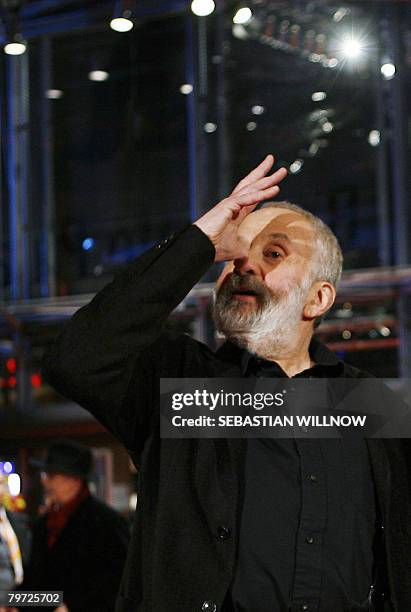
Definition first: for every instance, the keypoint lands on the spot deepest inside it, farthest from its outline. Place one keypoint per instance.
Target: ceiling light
(210, 127)
(257, 109)
(351, 47)
(243, 16)
(388, 70)
(251, 126)
(374, 138)
(296, 166)
(15, 48)
(328, 127)
(186, 88)
(98, 75)
(317, 96)
(54, 94)
(202, 8)
(121, 24)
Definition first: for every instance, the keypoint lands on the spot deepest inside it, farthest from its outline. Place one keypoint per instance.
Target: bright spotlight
(296, 166)
(186, 89)
(202, 8)
(54, 94)
(328, 127)
(121, 24)
(374, 138)
(98, 75)
(351, 47)
(388, 70)
(257, 109)
(14, 484)
(210, 127)
(15, 48)
(243, 16)
(87, 244)
(318, 96)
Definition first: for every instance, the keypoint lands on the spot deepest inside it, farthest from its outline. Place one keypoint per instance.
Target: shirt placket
(306, 590)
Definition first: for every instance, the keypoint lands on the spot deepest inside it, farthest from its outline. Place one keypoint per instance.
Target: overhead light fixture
(210, 127)
(186, 88)
(351, 47)
(374, 138)
(202, 8)
(98, 75)
(340, 14)
(388, 70)
(318, 96)
(296, 166)
(251, 126)
(327, 127)
(243, 16)
(121, 24)
(257, 109)
(16, 47)
(54, 94)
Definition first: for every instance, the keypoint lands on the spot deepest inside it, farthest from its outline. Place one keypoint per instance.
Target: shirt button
(209, 606)
(313, 477)
(309, 540)
(223, 533)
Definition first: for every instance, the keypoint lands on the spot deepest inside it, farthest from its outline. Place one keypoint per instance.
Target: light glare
(15, 48)
(186, 88)
(296, 166)
(98, 75)
(388, 70)
(54, 94)
(318, 96)
(374, 138)
(243, 16)
(210, 127)
(351, 47)
(121, 24)
(14, 484)
(202, 8)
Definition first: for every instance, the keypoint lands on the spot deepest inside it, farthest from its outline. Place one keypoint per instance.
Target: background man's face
(279, 245)
(57, 486)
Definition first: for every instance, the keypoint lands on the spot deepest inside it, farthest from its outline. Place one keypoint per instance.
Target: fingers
(254, 197)
(259, 172)
(264, 183)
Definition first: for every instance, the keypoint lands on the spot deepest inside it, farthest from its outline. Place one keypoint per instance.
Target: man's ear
(320, 299)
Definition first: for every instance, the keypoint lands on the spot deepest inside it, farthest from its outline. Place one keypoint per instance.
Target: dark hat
(67, 457)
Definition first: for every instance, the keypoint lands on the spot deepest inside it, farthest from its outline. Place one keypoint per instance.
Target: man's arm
(106, 358)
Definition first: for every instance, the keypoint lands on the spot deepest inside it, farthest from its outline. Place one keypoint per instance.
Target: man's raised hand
(221, 223)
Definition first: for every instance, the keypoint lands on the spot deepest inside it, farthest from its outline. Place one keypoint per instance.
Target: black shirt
(308, 518)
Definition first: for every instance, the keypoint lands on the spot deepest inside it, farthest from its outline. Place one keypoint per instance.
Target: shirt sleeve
(106, 358)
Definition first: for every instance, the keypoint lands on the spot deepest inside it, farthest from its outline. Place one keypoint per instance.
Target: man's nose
(245, 265)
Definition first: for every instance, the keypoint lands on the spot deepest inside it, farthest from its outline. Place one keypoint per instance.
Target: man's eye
(273, 254)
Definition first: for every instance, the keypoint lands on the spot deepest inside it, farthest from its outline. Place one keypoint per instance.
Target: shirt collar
(319, 353)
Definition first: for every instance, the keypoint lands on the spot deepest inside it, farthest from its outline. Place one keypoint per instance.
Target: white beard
(266, 329)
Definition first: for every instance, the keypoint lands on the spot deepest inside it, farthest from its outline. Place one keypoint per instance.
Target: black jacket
(87, 560)
(109, 359)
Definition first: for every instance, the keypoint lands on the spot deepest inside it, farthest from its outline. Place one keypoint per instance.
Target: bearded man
(232, 524)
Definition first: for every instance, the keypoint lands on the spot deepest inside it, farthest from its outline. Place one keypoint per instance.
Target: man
(229, 524)
(80, 543)
(14, 544)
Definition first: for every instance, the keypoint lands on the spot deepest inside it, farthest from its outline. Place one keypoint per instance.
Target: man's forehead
(269, 221)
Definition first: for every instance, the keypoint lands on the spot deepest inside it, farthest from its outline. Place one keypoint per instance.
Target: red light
(36, 380)
(12, 382)
(11, 365)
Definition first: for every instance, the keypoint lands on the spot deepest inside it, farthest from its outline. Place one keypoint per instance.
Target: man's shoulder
(351, 371)
(100, 510)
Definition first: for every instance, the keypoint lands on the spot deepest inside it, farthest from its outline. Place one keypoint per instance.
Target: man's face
(57, 487)
(275, 273)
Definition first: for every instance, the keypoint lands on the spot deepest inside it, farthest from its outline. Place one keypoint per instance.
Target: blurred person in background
(14, 544)
(79, 543)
